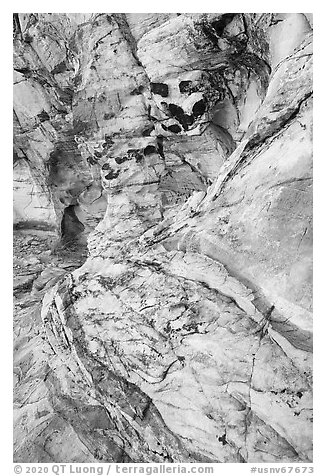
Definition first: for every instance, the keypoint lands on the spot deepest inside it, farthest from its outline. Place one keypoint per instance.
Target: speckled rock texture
(163, 243)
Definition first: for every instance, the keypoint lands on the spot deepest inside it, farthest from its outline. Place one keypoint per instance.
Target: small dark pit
(184, 119)
(108, 140)
(174, 128)
(28, 38)
(160, 88)
(121, 160)
(91, 160)
(210, 34)
(43, 116)
(137, 91)
(59, 68)
(106, 167)
(106, 145)
(138, 156)
(160, 146)
(135, 154)
(222, 439)
(187, 87)
(222, 23)
(176, 110)
(112, 175)
(147, 132)
(150, 149)
(199, 108)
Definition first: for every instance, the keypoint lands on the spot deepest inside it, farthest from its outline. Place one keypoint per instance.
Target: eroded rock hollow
(163, 221)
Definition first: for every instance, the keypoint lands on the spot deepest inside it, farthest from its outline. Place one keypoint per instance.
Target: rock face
(180, 147)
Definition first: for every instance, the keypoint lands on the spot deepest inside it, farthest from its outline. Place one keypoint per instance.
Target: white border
(319, 188)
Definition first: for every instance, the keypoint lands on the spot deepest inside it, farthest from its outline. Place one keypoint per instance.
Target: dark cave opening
(71, 226)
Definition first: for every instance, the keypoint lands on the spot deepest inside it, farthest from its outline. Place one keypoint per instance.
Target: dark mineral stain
(106, 167)
(79, 126)
(160, 88)
(67, 95)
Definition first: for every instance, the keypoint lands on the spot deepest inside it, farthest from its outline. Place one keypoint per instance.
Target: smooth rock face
(180, 147)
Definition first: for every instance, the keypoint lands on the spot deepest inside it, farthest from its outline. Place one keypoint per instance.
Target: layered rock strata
(180, 147)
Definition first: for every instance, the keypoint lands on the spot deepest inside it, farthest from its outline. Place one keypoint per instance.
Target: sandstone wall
(180, 147)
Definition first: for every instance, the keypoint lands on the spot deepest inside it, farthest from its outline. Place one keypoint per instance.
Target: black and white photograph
(162, 239)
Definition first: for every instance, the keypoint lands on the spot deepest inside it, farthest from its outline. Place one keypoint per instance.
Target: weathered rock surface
(180, 145)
